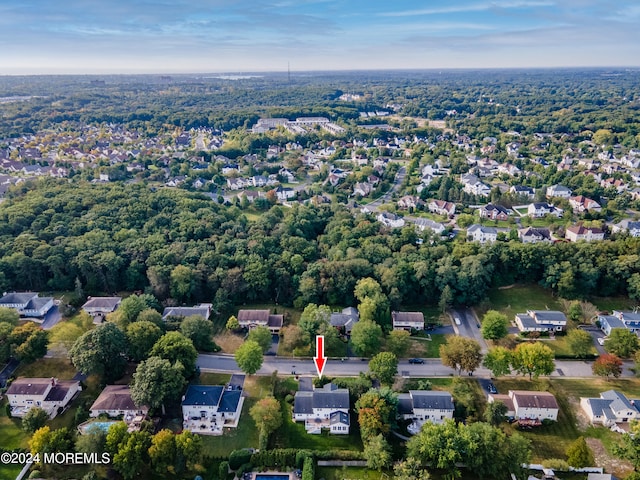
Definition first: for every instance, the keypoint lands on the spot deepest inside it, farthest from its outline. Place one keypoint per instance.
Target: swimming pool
(88, 426)
(271, 476)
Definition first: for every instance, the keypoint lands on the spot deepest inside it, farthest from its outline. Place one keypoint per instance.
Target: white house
(50, 394)
(441, 207)
(482, 234)
(612, 407)
(537, 210)
(323, 408)
(115, 401)
(559, 191)
(626, 225)
(541, 321)
(422, 406)
(203, 310)
(534, 235)
(529, 406)
(619, 319)
(522, 191)
(407, 320)
(99, 307)
(207, 409)
(260, 318)
(581, 204)
(473, 186)
(390, 220)
(577, 233)
(27, 304)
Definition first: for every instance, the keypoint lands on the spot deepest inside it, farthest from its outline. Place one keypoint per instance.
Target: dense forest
(183, 247)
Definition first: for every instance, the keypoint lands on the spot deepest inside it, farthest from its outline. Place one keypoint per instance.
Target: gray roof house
(612, 407)
(422, 406)
(323, 408)
(541, 321)
(27, 304)
(204, 310)
(99, 307)
(345, 319)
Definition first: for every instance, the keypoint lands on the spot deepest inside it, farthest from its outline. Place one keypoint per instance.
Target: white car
(601, 340)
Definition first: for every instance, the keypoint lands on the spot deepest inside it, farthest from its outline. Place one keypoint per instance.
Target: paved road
(469, 326)
(397, 182)
(352, 367)
(7, 371)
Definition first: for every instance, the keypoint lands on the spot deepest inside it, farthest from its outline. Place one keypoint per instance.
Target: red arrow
(320, 360)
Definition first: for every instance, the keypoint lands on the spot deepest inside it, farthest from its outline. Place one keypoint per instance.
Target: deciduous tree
(580, 342)
(249, 357)
(34, 419)
(498, 360)
(200, 331)
(175, 347)
(461, 353)
(157, 382)
(533, 359)
(262, 336)
(267, 415)
(495, 325)
(142, 336)
(579, 455)
(622, 342)
(101, 351)
(607, 365)
(384, 367)
(377, 452)
(398, 342)
(366, 338)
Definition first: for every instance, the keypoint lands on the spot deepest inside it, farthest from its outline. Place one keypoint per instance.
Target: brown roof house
(50, 394)
(260, 318)
(529, 406)
(407, 320)
(115, 400)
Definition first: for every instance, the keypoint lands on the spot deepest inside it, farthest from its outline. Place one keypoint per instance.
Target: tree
(292, 338)
(384, 367)
(267, 415)
(233, 324)
(377, 453)
(132, 456)
(142, 336)
(607, 365)
(5, 342)
(40, 440)
(262, 336)
(312, 317)
(495, 413)
(200, 331)
(498, 360)
(150, 315)
(9, 315)
(533, 359)
(175, 347)
(182, 283)
(156, 382)
(34, 419)
(461, 353)
(92, 441)
(629, 447)
(446, 298)
(622, 342)
(101, 351)
(249, 357)
(29, 342)
(495, 325)
(579, 455)
(580, 342)
(366, 338)
(129, 310)
(439, 445)
(188, 450)
(376, 412)
(410, 469)
(398, 342)
(162, 452)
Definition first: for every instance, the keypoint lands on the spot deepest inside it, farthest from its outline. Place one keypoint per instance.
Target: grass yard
(432, 314)
(212, 379)
(423, 347)
(613, 303)
(12, 434)
(351, 473)
(293, 435)
(245, 436)
(561, 348)
(60, 368)
(291, 315)
(520, 298)
(228, 342)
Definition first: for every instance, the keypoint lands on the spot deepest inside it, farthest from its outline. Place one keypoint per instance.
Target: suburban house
(612, 407)
(99, 307)
(407, 320)
(115, 401)
(50, 394)
(482, 234)
(260, 318)
(203, 310)
(323, 408)
(494, 212)
(345, 320)
(577, 233)
(27, 304)
(541, 321)
(540, 209)
(558, 191)
(528, 407)
(409, 201)
(627, 225)
(534, 235)
(390, 220)
(423, 224)
(441, 207)
(207, 409)
(619, 319)
(422, 406)
(523, 191)
(582, 204)
(473, 186)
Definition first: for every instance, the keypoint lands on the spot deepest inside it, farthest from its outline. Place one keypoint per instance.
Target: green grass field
(423, 347)
(561, 348)
(520, 298)
(60, 368)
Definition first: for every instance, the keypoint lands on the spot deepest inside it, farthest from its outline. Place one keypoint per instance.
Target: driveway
(52, 317)
(7, 371)
(469, 326)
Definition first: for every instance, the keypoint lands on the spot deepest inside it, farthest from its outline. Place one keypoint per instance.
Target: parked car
(417, 361)
(601, 340)
(492, 388)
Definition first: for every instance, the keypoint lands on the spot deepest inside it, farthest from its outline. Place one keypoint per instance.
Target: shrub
(556, 464)
(308, 469)
(223, 470)
(237, 458)
(245, 468)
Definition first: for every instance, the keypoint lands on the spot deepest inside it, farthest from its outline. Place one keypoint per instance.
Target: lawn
(423, 347)
(10, 471)
(293, 435)
(432, 314)
(227, 341)
(561, 348)
(212, 379)
(613, 303)
(12, 434)
(520, 298)
(60, 368)
(351, 473)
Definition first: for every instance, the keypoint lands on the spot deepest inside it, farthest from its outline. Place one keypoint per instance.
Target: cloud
(479, 7)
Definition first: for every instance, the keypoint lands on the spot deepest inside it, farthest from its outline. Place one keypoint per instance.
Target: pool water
(104, 426)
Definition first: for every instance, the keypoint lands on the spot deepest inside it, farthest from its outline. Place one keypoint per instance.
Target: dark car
(492, 388)
(417, 361)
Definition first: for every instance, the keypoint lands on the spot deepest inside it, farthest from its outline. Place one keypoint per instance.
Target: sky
(196, 36)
